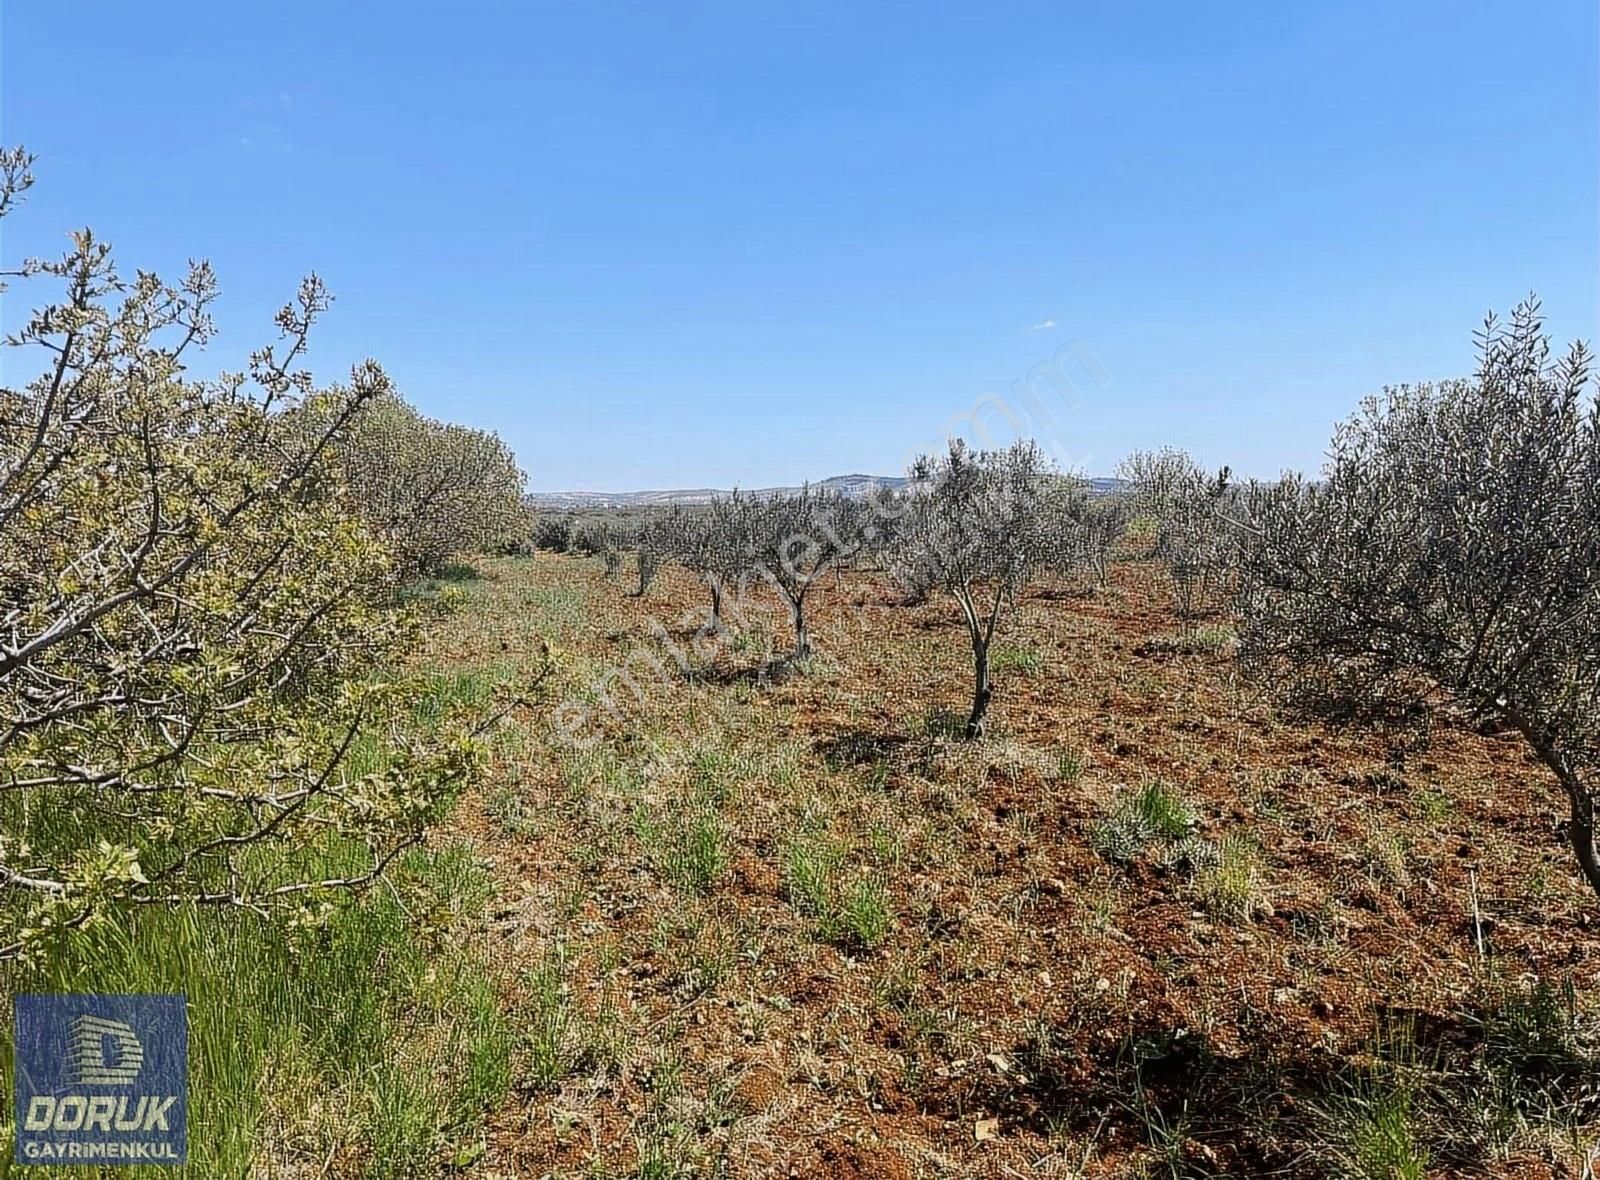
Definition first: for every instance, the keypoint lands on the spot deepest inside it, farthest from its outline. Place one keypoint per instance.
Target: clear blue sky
(658, 245)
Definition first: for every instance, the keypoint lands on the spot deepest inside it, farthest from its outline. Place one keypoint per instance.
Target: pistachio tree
(431, 489)
(1453, 546)
(191, 616)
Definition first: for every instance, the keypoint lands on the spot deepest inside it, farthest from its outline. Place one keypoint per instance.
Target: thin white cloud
(1042, 325)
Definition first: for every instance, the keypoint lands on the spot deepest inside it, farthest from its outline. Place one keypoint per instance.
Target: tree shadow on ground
(1448, 1089)
(858, 747)
(455, 572)
(765, 674)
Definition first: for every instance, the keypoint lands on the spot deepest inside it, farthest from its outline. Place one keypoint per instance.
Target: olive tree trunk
(802, 637)
(1580, 829)
(1582, 833)
(981, 692)
(716, 602)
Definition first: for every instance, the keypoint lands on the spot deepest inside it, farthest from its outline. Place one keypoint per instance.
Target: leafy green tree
(192, 620)
(430, 488)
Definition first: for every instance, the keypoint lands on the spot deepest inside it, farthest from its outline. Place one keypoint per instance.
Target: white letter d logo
(87, 1062)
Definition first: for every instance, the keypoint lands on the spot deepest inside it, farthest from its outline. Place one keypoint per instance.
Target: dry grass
(790, 925)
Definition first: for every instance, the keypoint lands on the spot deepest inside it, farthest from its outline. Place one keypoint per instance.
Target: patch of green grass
(865, 914)
(452, 691)
(1231, 885)
(1433, 806)
(558, 610)
(1536, 1030)
(1153, 813)
(278, 1013)
(1375, 1131)
(812, 863)
(715, 772)
(1021, 659)
(1203, 639)
(856, 911)
(546, 1020)
(694, 853)
(1069, 768)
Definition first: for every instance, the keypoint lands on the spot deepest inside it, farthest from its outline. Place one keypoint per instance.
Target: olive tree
(792, 540)
(654, 544)
(1081, 528)
(189, 616)
(1193, 513)
(1453, 544)
(715, 543)
(977, 525)
(601, 538)
(1101, 522)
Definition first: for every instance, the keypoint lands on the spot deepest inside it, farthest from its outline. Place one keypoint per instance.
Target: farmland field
(795, 926)
(816, 592)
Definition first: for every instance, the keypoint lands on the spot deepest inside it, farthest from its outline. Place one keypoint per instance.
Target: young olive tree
(794, 540)
(977, 526)
(882, 508)
(1081, 528)
(189, 617)
(1193, 513)
(710, 543)
(1102, 521)
(654, 544)
(1454, 544)
(601, 538)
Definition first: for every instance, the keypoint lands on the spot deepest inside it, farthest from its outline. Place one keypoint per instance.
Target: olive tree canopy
(978, 524)
(792, 540)
(1454, 543)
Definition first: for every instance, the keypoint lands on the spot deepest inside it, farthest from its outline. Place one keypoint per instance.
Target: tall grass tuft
(365, 1027)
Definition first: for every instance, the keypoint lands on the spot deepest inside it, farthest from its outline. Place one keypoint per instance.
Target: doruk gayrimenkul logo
(101, 1079)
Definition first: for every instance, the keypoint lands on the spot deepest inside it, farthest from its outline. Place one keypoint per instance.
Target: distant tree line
(1451, 549)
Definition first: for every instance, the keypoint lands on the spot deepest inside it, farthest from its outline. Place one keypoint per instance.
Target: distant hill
(848, 485)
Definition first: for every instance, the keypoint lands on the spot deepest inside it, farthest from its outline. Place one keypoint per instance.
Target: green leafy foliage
(430, 489)
(195, 627)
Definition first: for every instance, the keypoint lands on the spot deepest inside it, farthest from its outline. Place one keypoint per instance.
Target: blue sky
(677, 245)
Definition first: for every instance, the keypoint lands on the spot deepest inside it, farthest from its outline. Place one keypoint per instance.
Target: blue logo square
(101, 1079)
